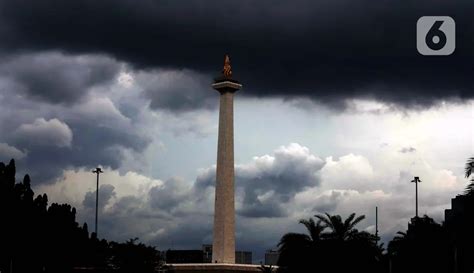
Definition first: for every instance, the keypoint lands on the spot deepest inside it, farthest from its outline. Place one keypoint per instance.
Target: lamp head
(416, 179)
(97, 170)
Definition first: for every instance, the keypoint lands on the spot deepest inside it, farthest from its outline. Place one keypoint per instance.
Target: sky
(337, 114)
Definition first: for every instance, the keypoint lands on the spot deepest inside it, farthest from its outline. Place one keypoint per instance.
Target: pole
(97, 204)
(416, 180)
(97, 171)
(416, 199)
(377, 224)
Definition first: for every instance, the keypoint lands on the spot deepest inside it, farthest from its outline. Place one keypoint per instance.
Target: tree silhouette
(314, 229)
(469, 169)
(35, 237)
(340, 230)
(430, 247)
(398, 243)
(423, 248)
(342, 248)
(459, 225)
(296, 248)
(134, 257)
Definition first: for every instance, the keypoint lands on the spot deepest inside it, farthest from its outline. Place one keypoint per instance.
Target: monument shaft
(223, 247)
(223, 244)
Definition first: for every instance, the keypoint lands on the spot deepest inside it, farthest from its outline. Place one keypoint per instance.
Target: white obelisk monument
(223, 245)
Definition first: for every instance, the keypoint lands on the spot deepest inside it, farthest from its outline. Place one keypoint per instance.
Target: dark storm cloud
(169, 195)
(177, 91)
(56, 78)
(92, 145)
(324, 50)
(256, 208)
(48, 137)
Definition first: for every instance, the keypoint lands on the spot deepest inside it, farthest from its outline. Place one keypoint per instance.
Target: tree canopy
(37, 237)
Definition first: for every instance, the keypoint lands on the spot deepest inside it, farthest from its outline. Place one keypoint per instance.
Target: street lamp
(377, 225)
(416, 180)
(98, 171)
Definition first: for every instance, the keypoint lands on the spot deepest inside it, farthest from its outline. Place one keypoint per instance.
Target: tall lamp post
(416, 180)
(98, 171)
(377, 225)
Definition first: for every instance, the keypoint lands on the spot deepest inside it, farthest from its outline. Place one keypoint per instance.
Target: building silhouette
(459, 224)
(207, 253)
(271, 256)
(243, 257)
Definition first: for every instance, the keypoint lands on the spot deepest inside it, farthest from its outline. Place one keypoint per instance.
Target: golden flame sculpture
(227, 71)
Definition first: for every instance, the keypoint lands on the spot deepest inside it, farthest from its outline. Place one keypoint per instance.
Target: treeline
(330, 245)
(335, 245)
(35, 237)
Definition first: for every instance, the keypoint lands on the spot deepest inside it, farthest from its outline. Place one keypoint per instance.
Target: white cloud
(56, 77)
(102, 111)
(8, 152)
(51, 132)
(349, 172)
(367, 106)
(125, 79)
(267, 183)
(199, 123)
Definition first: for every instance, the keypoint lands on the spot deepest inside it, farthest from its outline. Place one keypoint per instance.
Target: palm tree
(400, 236)
(314, 229)
(395, 246)
(468, 171)
(341, 230)
(342, 249)
(290, 240)
(293, 244)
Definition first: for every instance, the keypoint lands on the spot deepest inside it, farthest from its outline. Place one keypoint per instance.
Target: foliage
(134, 257)
(337, 244)
(36, 237)
(423, 248)
(469, 169)
(340, 230)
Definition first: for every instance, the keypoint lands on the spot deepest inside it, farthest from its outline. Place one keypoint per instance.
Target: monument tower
(223, 245)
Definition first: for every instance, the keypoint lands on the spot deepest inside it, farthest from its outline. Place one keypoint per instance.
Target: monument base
(213, 268)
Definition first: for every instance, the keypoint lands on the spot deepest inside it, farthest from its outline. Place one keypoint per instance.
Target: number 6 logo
(435, 35)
